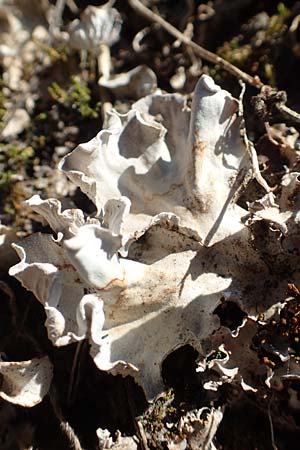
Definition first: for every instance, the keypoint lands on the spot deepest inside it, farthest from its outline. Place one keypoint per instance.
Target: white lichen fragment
(25, 383)
(168, 246)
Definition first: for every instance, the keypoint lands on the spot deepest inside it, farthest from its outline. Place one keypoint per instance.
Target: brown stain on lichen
(197, 200)
(152, 298)
(198, 152)
(65, 266)
(115, 282)
(169, 291)
(123, 299)
(199, 147)
(200, 203)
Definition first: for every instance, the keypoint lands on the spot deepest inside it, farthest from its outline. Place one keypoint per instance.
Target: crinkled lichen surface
(169, 244)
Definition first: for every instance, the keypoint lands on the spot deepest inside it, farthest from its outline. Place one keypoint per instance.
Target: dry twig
(72, 6)
(209, 56)
(289, 113)
(202, 52)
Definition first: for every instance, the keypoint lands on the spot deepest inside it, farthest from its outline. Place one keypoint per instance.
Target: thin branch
(200, 51)
(209, 56)
(72, 6)
(289, 113)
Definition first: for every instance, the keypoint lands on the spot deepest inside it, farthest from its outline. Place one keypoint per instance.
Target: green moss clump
(257, 52)
(6, 181)
(15, 161)
(42, 116)
(18, 157)
(76, 96)
(216, 355)
(234, 52)
(277, 23)
(61, 52)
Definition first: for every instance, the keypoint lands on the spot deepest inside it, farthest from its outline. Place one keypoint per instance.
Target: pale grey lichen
(171, 175)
